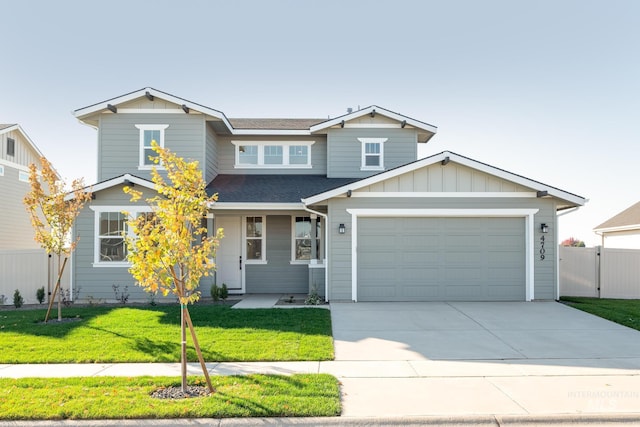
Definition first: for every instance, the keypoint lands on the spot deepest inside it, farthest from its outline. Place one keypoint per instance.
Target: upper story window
(1, 170)
(149, 133)
(271, 154)
(11, 147)
(372, 153)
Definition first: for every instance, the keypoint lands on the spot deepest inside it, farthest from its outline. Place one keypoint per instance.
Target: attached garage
(441, 259)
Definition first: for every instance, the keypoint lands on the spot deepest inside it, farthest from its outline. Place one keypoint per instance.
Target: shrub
(215, 292)
(40, 295)
(17, 299)
(121, 297)
(224, 292)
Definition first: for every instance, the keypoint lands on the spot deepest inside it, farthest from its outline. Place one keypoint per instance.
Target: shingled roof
(4, 126)
(626, 220)
(271, 188)
(280, 124)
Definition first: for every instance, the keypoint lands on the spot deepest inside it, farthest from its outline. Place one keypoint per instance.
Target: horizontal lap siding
(345, 150)
(95, 283)
(278, 275)
(119, 141)
(545, 271)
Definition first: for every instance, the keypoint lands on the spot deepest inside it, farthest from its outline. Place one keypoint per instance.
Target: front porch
(270, 252)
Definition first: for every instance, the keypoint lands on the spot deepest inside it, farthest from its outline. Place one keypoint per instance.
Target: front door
(229, 255)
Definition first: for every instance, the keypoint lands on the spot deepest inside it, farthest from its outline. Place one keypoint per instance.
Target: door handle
(240, 262)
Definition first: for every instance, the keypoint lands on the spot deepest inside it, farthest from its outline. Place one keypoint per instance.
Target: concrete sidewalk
(457, 389)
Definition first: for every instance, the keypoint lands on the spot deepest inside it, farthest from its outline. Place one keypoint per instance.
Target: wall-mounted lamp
(342, 229)
(544, 228)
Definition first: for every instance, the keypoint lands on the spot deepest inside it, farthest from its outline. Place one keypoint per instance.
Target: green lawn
(623, 311)
(152, 334)
(118, 398)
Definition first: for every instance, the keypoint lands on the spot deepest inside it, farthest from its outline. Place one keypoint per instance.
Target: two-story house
(340, 205)
(17, 152)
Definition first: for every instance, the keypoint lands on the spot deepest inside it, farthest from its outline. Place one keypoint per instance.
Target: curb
(600, 419)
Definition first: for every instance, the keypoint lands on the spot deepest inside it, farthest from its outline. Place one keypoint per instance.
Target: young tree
(53, 210)
(171, 252)
(571, 241)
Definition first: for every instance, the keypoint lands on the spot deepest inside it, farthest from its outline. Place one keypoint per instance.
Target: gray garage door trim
(527, 214)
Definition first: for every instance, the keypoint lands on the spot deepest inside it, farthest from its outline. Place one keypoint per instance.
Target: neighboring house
(339, 205)
(17, 152)
(622, 230)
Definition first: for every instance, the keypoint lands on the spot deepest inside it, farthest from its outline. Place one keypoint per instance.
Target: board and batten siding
(226, 155)
(344, 150)
(278, 275)
(96, 283)
(545, 271)
(24, 154)
(119, 141)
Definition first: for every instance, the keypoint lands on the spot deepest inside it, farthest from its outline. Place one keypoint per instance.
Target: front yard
(623, 311)
(114, 334)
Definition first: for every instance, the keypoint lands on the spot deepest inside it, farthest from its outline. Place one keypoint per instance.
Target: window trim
(263, 238)
(23, 176)
(363, 154)
(142, 128)
(131, 211)
(318, 240)
(285, 154)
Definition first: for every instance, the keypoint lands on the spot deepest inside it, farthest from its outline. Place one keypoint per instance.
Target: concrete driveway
(476, 331)
(461, 359)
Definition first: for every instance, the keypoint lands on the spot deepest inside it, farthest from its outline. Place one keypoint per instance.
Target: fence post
(599, 250)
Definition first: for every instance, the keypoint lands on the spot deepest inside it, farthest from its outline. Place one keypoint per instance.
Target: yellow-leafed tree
(170, 251)
(53, 209)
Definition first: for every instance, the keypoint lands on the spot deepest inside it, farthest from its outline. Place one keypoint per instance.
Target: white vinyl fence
(27, 270)
(600, 272)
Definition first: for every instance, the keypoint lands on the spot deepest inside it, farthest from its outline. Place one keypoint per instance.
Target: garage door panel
(439, 259)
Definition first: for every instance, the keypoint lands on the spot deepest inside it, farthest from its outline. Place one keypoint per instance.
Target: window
(372, 153)
(248, 155)
(303, 240)
(262, 154)
(255, 238)
(111, 228)
(149, 133)
(11, 147)
(298, 154)
(111, 242)
(273, 155)
(1, 170)
(23, 176)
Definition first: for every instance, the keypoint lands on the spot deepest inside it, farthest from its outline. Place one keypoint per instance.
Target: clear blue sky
(546, 89)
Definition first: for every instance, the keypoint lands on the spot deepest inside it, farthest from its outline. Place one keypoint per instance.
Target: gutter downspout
(326, 249)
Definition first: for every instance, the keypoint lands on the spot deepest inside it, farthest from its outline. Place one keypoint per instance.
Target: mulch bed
(175, 392)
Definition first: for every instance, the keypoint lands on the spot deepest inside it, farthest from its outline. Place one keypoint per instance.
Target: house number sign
(541, 248)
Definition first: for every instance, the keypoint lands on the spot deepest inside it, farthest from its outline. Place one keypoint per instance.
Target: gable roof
(118, 180)
(252, 126)
(429, 130)
(271, 188)
(570, 200)
(6, 128)
(627, 220)
(84, 114)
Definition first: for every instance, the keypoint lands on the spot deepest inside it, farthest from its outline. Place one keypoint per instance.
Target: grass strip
(623, 311)
(113, 334)
(301, 395)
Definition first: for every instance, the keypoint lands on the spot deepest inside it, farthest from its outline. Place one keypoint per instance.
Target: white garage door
(441, 259)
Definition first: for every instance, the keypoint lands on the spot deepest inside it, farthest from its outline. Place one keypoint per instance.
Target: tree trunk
(197, 347)
(183, 356)
(60, 290)
(56, 288)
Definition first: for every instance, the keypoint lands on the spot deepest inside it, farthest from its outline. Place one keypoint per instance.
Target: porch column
(314, 238)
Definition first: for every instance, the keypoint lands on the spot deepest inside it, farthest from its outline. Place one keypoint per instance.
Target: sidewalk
(457, 389)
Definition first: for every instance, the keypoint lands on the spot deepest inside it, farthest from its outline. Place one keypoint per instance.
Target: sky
(548, 89)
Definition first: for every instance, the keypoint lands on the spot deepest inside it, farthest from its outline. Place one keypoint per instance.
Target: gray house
(342, 206)
(17, 152)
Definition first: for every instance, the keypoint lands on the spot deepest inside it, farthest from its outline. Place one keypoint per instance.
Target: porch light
(342, 229)
(544, 228)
